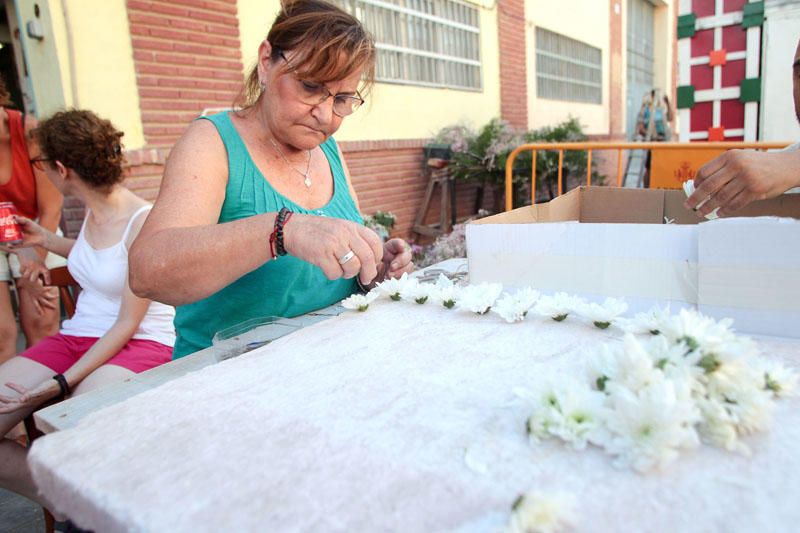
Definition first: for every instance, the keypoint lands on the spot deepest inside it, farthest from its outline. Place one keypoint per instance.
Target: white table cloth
(363, 423)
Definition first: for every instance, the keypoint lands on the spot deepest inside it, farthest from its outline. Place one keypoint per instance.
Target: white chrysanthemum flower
(649, 322)
(688, 188)
(739, 387)
(628, 365)
(535, 512)
(359, 302)
(446, 292)
(443, 282)
(393, 287)
(515, 308)
(778, 379)
(582, 413)
(673, 361)
(479, 298)
(558, 307)
(648, 429)
(602, 315)
(572, 412)
(697, 330)
(417, 292)
(718, 426)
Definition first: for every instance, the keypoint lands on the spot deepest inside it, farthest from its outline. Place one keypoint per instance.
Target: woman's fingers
(325, 242)
(400, 253)
(722, 197)
(369, 256)
(709, 179)
(47, 301)
(16, 387)
(349, 262)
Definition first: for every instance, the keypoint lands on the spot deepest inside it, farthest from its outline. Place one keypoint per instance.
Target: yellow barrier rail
(589, 147)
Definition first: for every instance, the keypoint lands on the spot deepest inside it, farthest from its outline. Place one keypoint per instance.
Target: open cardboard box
(604, 241)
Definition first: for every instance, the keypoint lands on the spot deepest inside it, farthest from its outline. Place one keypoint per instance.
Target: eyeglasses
(38, 162)
(315, 93)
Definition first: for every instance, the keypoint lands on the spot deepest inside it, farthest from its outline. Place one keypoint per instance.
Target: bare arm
(35, 236)
(183, 255)
(48, 200)
(132, 311)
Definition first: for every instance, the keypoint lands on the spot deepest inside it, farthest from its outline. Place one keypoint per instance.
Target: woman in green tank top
(256, 215)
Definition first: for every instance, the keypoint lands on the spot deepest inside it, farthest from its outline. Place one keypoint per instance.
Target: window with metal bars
(567, 69)
(432, 43)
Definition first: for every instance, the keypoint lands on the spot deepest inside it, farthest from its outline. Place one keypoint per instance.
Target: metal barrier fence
(590, 147)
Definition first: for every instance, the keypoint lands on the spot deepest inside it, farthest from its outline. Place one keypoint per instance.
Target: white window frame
(447, 52)
(567, 60)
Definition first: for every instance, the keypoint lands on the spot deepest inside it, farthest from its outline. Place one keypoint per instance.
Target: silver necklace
(306, 179)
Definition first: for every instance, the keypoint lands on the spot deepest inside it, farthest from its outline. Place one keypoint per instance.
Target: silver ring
(347, 257)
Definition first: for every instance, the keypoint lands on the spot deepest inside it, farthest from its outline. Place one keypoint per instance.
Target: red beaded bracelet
(276, 247)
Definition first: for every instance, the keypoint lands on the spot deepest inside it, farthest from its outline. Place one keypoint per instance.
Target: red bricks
(616, 102)
(389, 176)
(187, 58)
(513, 68)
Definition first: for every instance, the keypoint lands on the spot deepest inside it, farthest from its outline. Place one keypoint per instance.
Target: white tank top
(103, 275)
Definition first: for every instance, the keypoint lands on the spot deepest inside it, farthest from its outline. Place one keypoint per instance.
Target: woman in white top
(113, 333)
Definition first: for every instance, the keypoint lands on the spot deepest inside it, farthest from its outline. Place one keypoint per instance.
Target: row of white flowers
(481, 299)
(674, 381)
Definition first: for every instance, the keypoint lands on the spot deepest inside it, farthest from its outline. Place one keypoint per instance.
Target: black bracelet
(361, 287)
(63, 385)
(280, 220)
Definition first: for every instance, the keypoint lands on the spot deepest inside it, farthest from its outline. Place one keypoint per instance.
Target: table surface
(402, 418)
(68, 413)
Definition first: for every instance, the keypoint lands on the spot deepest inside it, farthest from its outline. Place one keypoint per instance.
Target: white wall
(583, 20)
(781, 33)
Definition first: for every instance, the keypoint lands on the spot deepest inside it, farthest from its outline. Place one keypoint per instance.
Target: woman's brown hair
(86, 143)
(328, 44)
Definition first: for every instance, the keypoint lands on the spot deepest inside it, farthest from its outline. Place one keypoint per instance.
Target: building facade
(152, 66)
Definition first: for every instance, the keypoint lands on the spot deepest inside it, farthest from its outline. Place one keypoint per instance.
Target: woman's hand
(397, 258)
(325, 242)
(34, 280)
(738, 177)
(32, 233)
(28, 398)
(42, 296)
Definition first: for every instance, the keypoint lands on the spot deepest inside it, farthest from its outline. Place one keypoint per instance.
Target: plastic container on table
(251, 334)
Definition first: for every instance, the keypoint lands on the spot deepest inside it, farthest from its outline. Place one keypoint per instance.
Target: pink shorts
(60, 352)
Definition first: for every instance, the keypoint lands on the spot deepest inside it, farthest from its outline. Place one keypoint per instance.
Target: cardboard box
(749, 270)
(603, 241)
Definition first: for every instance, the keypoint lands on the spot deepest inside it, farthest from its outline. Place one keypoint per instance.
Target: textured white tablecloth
(362, 422)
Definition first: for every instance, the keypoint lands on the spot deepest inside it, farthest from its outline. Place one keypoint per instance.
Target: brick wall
(616, 98)
(187, 58)
(513, 82)
(389, 176)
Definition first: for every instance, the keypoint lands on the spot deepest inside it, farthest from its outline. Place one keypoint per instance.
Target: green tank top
(285, 287)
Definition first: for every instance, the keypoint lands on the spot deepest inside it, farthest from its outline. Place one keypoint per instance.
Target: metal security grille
(567, 69)
(423, 42)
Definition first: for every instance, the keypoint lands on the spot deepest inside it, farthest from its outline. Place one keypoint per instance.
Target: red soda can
(10, 230)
